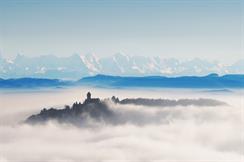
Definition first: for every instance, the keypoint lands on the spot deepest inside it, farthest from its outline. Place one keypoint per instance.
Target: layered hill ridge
(211, 81)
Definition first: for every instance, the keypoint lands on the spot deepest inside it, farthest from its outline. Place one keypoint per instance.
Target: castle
(91, 100)
(91, 106)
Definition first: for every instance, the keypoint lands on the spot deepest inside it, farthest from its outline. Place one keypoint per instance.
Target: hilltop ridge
(101, 110)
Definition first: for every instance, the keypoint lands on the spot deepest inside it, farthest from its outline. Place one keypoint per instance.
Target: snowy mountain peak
(80, 65)
(91, 62)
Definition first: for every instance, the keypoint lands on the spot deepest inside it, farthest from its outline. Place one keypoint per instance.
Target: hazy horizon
(12, 57)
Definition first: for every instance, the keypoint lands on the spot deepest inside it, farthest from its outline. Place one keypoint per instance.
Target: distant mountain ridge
(78, 66)
(211, 81)
(32, 83)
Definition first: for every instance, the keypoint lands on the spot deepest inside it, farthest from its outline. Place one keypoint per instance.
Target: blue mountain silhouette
(209, 81)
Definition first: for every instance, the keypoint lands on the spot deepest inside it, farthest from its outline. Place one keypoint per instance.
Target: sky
(208, 29)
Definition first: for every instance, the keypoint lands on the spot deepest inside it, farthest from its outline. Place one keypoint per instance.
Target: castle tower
(89, 99)
(88, 96)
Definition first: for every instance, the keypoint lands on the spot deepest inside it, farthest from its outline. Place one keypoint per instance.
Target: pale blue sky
(209, 29)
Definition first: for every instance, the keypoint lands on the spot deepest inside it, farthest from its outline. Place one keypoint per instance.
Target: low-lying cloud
(144, 133)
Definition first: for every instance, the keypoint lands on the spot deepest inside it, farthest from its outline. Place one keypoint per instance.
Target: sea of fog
(181, 133)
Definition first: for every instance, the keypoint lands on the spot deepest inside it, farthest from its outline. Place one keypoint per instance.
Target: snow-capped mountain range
(78, 66)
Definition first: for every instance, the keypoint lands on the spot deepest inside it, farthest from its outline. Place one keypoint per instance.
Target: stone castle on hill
(93, 107)
(96, 109)
(91, 100)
